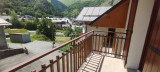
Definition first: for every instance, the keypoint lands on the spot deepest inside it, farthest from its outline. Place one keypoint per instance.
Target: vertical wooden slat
(117, 46)
(99, 43)
(58, 64)
(106, 43)
(43, 66)
(63, 61)
(109, 43)
(71, 58)
(51, 67)
(96, 42)
(113, 44)
(102, 42)
(121, 46)
(67, 58)
(81, 52)
(33, 71)
(76, 57)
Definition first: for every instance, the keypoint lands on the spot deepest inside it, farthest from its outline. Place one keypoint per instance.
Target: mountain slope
(58, 5)
(70, 2)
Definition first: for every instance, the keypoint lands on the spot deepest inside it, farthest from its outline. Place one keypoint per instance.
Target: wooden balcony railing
(80, 48)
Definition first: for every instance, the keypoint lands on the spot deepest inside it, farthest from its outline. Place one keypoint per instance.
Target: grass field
(16, 31)
(62, 39)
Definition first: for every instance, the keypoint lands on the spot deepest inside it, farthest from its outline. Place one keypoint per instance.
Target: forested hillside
(30, 7)
(60, 8)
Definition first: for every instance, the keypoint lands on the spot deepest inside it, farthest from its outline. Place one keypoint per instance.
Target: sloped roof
(4, 23)
(91, 13)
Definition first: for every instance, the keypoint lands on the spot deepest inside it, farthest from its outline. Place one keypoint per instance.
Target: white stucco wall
(141, 23)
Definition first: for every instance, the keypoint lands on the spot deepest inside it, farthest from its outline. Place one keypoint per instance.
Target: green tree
(47, 28)
(14, 20)
(77, 32)
(68, 31)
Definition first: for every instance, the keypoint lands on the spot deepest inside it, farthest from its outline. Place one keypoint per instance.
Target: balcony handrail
(110, 32)
(25, 63)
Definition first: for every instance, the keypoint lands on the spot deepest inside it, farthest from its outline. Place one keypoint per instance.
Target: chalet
(61, 22)
(138, 49)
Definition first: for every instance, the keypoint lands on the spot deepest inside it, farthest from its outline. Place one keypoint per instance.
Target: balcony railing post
(74, 56)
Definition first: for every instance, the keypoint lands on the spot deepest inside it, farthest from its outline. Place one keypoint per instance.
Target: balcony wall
(141, 23)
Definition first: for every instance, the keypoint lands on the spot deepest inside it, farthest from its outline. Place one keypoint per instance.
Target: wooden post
(76, 57)
(102, 42)
(121, 46)
(113, 44)
(117, 46)
(51, 67)
(58, 64)
(99, 42)
(63, 61)
(95, 41)
(109, 43)
(67, 61)
(71, 58)
(43, 66)
(106, 43)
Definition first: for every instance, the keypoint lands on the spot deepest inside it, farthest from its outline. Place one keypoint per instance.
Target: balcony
(91, 52)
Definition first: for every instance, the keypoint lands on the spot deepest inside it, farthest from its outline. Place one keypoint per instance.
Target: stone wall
(10, 52)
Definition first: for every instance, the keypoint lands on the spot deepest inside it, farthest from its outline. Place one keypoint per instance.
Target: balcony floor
(103, 63)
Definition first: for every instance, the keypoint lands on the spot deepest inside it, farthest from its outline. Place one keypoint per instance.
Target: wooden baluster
(106, 43)
(99, 43)
(81, 51)
(43, 66)
(109, 43)
(102, 43)
(33, 71)
(91, 43)
(96, 42)
(67, 60)
(78, 54)
(71, 58)
(63, 61)
(117, 46)
(58, 64)
(76, 57)
(113, 44)
(51, 67)
(121, 46)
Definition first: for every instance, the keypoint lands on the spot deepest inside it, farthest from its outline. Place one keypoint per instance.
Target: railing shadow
(93, 63)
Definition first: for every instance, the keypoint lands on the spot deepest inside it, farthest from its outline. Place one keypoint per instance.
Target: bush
(30, 25)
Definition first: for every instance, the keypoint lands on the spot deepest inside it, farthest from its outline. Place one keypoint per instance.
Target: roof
(5, 17)
(91, 13)
(4, 23)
